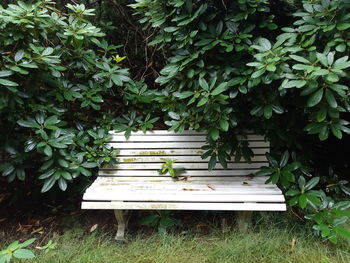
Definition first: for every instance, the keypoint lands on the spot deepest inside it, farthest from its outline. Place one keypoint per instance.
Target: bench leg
(244, 220)
(120, 215)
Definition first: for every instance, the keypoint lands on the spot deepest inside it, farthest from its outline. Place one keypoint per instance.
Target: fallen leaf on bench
(211, 187)
(93, 228)
(190, 189)
(246, 184)
(184, 178)
(249, 176)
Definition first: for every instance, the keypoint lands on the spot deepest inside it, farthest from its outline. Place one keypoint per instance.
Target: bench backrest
(142, 154)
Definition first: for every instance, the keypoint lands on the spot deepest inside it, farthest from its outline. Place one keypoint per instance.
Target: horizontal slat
(185, 206)
(156, 179)
(187, 159)
(162, 152)
(196, 187)
(127, 192)
(176, 138)
(214, 185)
(173, 145)
(183, 197)
(194, 173)
(209, 190)
(143, 166)
(159, 138)
(160, 132)
(166, 132)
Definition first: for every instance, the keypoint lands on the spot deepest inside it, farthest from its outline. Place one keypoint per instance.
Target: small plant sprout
(17, 250)
(167, 168)
(118, 59)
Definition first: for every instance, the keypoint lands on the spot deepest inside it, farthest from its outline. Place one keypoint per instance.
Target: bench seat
(135, 182)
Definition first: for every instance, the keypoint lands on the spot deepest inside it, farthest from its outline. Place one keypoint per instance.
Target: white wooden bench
(135, 182)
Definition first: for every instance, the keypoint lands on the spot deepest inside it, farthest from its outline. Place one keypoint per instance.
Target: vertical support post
(244, 220)
(120, 215)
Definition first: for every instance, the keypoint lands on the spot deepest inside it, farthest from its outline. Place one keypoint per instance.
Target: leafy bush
(277, 68)
(17, 250)
(55, 71)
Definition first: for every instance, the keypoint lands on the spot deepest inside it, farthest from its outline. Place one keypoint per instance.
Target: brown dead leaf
(190, 189)
(249, 176)
(184, 178)
(246, 184)
(38, 230)
(24, 228)
(211, 186)
(93, 228)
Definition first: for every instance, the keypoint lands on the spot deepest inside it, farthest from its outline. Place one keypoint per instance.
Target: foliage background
(189, 59)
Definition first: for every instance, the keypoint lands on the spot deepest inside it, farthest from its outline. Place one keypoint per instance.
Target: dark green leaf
(212, 162)
(315, 98)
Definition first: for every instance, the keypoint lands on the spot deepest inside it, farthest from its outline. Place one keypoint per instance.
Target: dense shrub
(56, 70)
(278, 68)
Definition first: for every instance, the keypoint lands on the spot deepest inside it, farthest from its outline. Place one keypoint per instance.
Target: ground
(87, 236)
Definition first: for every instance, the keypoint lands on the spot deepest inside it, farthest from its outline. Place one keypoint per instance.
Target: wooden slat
(166, 132)
(125, 192)
(185, 206)
(173, 145)
(159, 138)
(160, 132)
(193, 173)
(202, 182)
(199, 187)
(187, 159)
(144, 166)
(176, 138)
(155, 179)
(182, 197)
(165, 152)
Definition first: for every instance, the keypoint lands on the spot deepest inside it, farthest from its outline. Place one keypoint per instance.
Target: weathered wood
(120, 215)
(244, 220)
(185, 206)
(177, 138)
(182, 152)
(193, 173)
(135, 183)
(166, 132)
(204, 166)
(212, 198)
(227, 181)
(179, 159)
(173, 145)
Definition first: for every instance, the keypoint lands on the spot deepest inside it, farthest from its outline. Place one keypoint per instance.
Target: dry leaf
(38, 230)
(211, 186)
(246, 184)
(249, 176)
(190, 189)
(93, 228)
(184, 178)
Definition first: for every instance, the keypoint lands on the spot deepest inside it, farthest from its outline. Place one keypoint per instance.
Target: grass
(274, 238)
(267, 243)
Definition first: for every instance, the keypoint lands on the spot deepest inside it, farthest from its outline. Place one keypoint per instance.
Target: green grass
(270, 240)
(267, 244)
